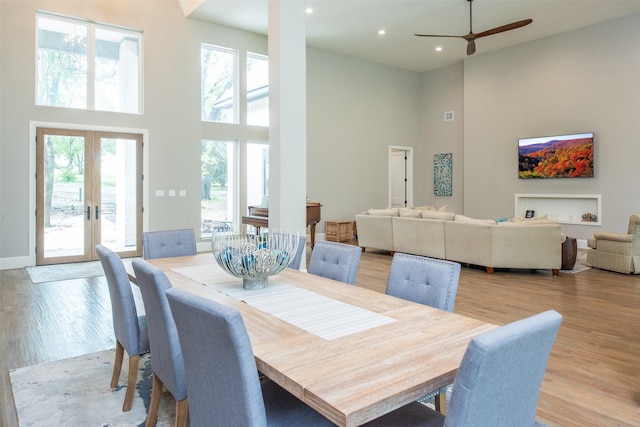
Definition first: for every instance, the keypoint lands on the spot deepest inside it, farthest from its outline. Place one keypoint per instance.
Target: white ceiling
(351, 27)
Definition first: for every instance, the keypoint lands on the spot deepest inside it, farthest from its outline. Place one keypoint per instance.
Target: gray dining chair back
(129, 328)
(222, 378)
(428, 281)
(168, 243)
(337, 261)
(498, 382)
(167, 363)
(297, 259)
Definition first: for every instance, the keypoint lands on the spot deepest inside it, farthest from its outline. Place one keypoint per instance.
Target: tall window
(257, 173)
(218, 193)
(218, 84)
(85, 65)
(257, 90)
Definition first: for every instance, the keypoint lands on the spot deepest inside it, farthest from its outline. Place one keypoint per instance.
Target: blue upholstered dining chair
(337, 261)
(129, 328)
(428, 281)
(166, 355)
(168, 243)
(297, 259)
(222, 378)
(498, 382)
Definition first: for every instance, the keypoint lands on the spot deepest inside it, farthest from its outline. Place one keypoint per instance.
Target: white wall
(581, 81)
(442, 91)
(356, 110)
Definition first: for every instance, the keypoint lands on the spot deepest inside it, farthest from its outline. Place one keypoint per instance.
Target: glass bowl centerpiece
(254, 258)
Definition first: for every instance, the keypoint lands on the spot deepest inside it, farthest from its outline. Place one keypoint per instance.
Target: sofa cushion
(410, 213)
(444, 216)
(463, 218)
(522, 218)
(383, 212)
(424, 208)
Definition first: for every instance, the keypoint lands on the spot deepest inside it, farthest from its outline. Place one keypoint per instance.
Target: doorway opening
(88, 192)
(400, 176)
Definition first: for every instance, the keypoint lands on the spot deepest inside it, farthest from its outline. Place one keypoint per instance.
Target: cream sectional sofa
(530, 244)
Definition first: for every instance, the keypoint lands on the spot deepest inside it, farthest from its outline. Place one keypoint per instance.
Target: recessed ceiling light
(382, 32)
(309, 10)
(439, 49)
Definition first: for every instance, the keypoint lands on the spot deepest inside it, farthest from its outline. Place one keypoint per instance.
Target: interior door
(89, 191)
(398, 178)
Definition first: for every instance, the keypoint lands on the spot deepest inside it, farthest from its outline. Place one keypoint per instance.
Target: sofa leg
(392, 253)
(489, 270)
(555, 272)
(363, 249)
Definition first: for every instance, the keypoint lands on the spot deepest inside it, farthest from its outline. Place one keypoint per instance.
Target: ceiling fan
(471, 37)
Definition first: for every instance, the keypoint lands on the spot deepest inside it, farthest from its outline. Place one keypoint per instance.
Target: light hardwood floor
(592, 379)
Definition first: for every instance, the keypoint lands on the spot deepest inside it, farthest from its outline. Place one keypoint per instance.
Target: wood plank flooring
(592, 379)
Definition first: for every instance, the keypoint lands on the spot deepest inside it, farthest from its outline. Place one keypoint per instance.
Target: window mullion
(91, 67)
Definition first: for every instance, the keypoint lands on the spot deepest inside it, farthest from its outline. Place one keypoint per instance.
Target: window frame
(91, 27)
(235, 80)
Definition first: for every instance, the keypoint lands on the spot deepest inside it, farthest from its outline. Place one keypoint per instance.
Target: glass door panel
(119, 201)
(63, 184)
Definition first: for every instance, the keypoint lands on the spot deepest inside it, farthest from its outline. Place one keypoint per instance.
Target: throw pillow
(410, 213)
(384, 212)
(443, 216)
(462, 218)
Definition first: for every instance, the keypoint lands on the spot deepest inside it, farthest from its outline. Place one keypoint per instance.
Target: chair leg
(117, 364)
(156, 393)
(182, 412)
(132, 379)
(440, 401)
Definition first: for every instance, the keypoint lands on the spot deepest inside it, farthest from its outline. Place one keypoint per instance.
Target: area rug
(53, 273)
(580, 265)
(76, 392)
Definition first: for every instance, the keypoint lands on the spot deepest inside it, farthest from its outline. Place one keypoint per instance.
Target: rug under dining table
(76, 392)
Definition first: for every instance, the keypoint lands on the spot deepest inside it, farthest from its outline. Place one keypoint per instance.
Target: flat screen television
(559, 156)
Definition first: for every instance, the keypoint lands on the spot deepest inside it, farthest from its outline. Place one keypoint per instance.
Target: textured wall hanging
(442, 174)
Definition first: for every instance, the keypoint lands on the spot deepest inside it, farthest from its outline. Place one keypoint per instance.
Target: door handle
(97, 213)
(88, 213)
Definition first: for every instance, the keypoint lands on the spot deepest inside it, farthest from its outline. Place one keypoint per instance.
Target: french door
(89, 192)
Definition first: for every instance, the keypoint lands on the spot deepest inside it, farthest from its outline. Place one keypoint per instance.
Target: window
(257, 173)
(218, 84)
(257, 90)
(85, 65)
(218, 193)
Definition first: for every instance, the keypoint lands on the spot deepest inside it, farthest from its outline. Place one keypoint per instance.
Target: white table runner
(320, 315)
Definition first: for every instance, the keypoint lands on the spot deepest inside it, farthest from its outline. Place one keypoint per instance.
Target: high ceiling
(351, 27)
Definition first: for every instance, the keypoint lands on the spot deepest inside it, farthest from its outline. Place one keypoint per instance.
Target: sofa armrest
(375, 231)
(616, 237)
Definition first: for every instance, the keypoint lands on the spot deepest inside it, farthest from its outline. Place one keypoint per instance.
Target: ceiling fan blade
(471, 46)
(503, 28)
(438, 35)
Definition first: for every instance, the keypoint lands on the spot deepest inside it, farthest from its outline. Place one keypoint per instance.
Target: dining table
(351, 353)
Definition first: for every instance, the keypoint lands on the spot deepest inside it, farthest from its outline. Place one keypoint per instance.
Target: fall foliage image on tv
(563, 156)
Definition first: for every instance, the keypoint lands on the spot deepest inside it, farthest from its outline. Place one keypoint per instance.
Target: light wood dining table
(350, 353)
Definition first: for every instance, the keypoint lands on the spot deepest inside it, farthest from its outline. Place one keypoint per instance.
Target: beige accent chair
(616, 251)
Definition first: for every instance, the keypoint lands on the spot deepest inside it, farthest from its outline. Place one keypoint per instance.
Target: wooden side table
(338, 231)
(569, 253)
